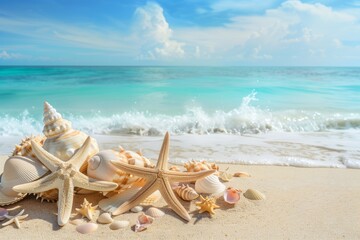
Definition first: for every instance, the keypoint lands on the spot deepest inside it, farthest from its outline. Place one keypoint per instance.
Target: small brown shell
(186, 193)
(241, 174)
(253, 194)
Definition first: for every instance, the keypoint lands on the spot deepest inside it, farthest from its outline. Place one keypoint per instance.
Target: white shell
(136, 209)
(119, 224)
(112, 203)
(87, 228)
(105, 218)
(209, 185)
(154, 212)
(18, 170)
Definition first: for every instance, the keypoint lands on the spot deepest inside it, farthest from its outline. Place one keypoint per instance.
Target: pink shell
(232, 195)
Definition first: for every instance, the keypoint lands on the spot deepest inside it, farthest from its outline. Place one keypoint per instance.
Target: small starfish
(159, 178)
(207, 205)
(15, 219)
(86, 210)
(64, 176)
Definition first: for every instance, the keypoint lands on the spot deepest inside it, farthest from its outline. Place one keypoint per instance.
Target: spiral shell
(209, 185)
(18, 170)
(254, 194)
(186, 193)
(195, 166)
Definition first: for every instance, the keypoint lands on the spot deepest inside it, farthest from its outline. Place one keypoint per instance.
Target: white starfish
(15, 219)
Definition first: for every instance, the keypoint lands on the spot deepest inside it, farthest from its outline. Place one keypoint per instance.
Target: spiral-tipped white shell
(209, 185)
(254, 194)
(18, 170)
(186, 193)
(63, 141)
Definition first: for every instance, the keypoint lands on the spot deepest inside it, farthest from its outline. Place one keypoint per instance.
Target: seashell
(195, 166)
(24, 148)
(105, 218)
(209, 185)
(225, 176)
(154, 212)
(143, 222)
(175, 168)
(253, 194)
(18, 170)
(62, 140)
(153, 198)
(112, 203)
(49, 196)
(86, 210)
(77, 222)
(232, 195)
(119, 224)
(136, 209)
(241, 174)
(87, 228)
(207, 205)
(3, 212)
(186, 193)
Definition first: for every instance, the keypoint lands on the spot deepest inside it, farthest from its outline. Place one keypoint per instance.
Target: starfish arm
(135, 170)
(187, 176)
(23, 216)
(49, 160)
(17, 222)
(83, 181)
(41, 185)
(164, 153)
(8, 222)
(171, 199)
(81, 154)
(65, 202)
(145, 191)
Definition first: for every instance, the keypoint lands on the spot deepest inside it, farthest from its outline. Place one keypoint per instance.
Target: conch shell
(62, 140)
(186, 193)
(18, 170)
(209, 185)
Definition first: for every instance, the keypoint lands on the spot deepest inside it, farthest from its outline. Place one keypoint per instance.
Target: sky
(188, 32)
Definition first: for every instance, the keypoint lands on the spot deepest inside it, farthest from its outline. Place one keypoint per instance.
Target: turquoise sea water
(196, 100)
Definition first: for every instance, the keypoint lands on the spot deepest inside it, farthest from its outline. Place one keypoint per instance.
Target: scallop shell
(63, 141)
(24, 148)
(153, 198)
(253, 194)
(186, 193)
(18, 170)
(136, 209)
(241, 174)
(232, 195)
(105, 218)
(209, 185)
(154, 212)
(195, 166)
(119, 224)
(87, 228)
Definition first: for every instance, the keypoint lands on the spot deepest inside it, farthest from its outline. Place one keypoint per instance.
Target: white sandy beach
(302, 203)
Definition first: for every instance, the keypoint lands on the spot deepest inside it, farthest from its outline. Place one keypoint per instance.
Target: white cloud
(5, 55)
(231, 5)
(155, 35)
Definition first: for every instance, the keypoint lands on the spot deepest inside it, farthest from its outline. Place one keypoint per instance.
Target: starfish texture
(159, 178)
(86, 210)
(207, 205)
(64, 176)
(15, 219)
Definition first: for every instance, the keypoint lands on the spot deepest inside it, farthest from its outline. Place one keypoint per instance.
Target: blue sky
(189, 32)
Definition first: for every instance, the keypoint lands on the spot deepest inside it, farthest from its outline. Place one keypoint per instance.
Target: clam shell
(3, 212)
(87, 228)
(241, 174)
(119, 224)
(154, 212)
(105, 218)
(153, 198)
(18, 170)
(254, 194)
(232, 195)
(186, 193)
(112, 203)
(145, 219)
(209, 185)
(136, 209)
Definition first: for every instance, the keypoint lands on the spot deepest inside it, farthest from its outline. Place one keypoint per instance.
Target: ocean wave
(246, 119)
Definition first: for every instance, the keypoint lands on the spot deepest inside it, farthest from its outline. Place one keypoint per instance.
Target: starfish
(207, 205)
(159, 178)
(64, 176)
(86, 210)
(15, 219)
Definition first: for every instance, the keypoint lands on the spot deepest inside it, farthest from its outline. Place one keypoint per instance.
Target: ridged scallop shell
(232, 195)
(186, 193)
(153, 198)
(18, 170)
(136, 209)
(87, 228)
(195, 166)
(24, 148)
(105, 218)
(154, 212)
(254, 194)
(241, 174)
(62, 140)
(119, 224)
(209, 185)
